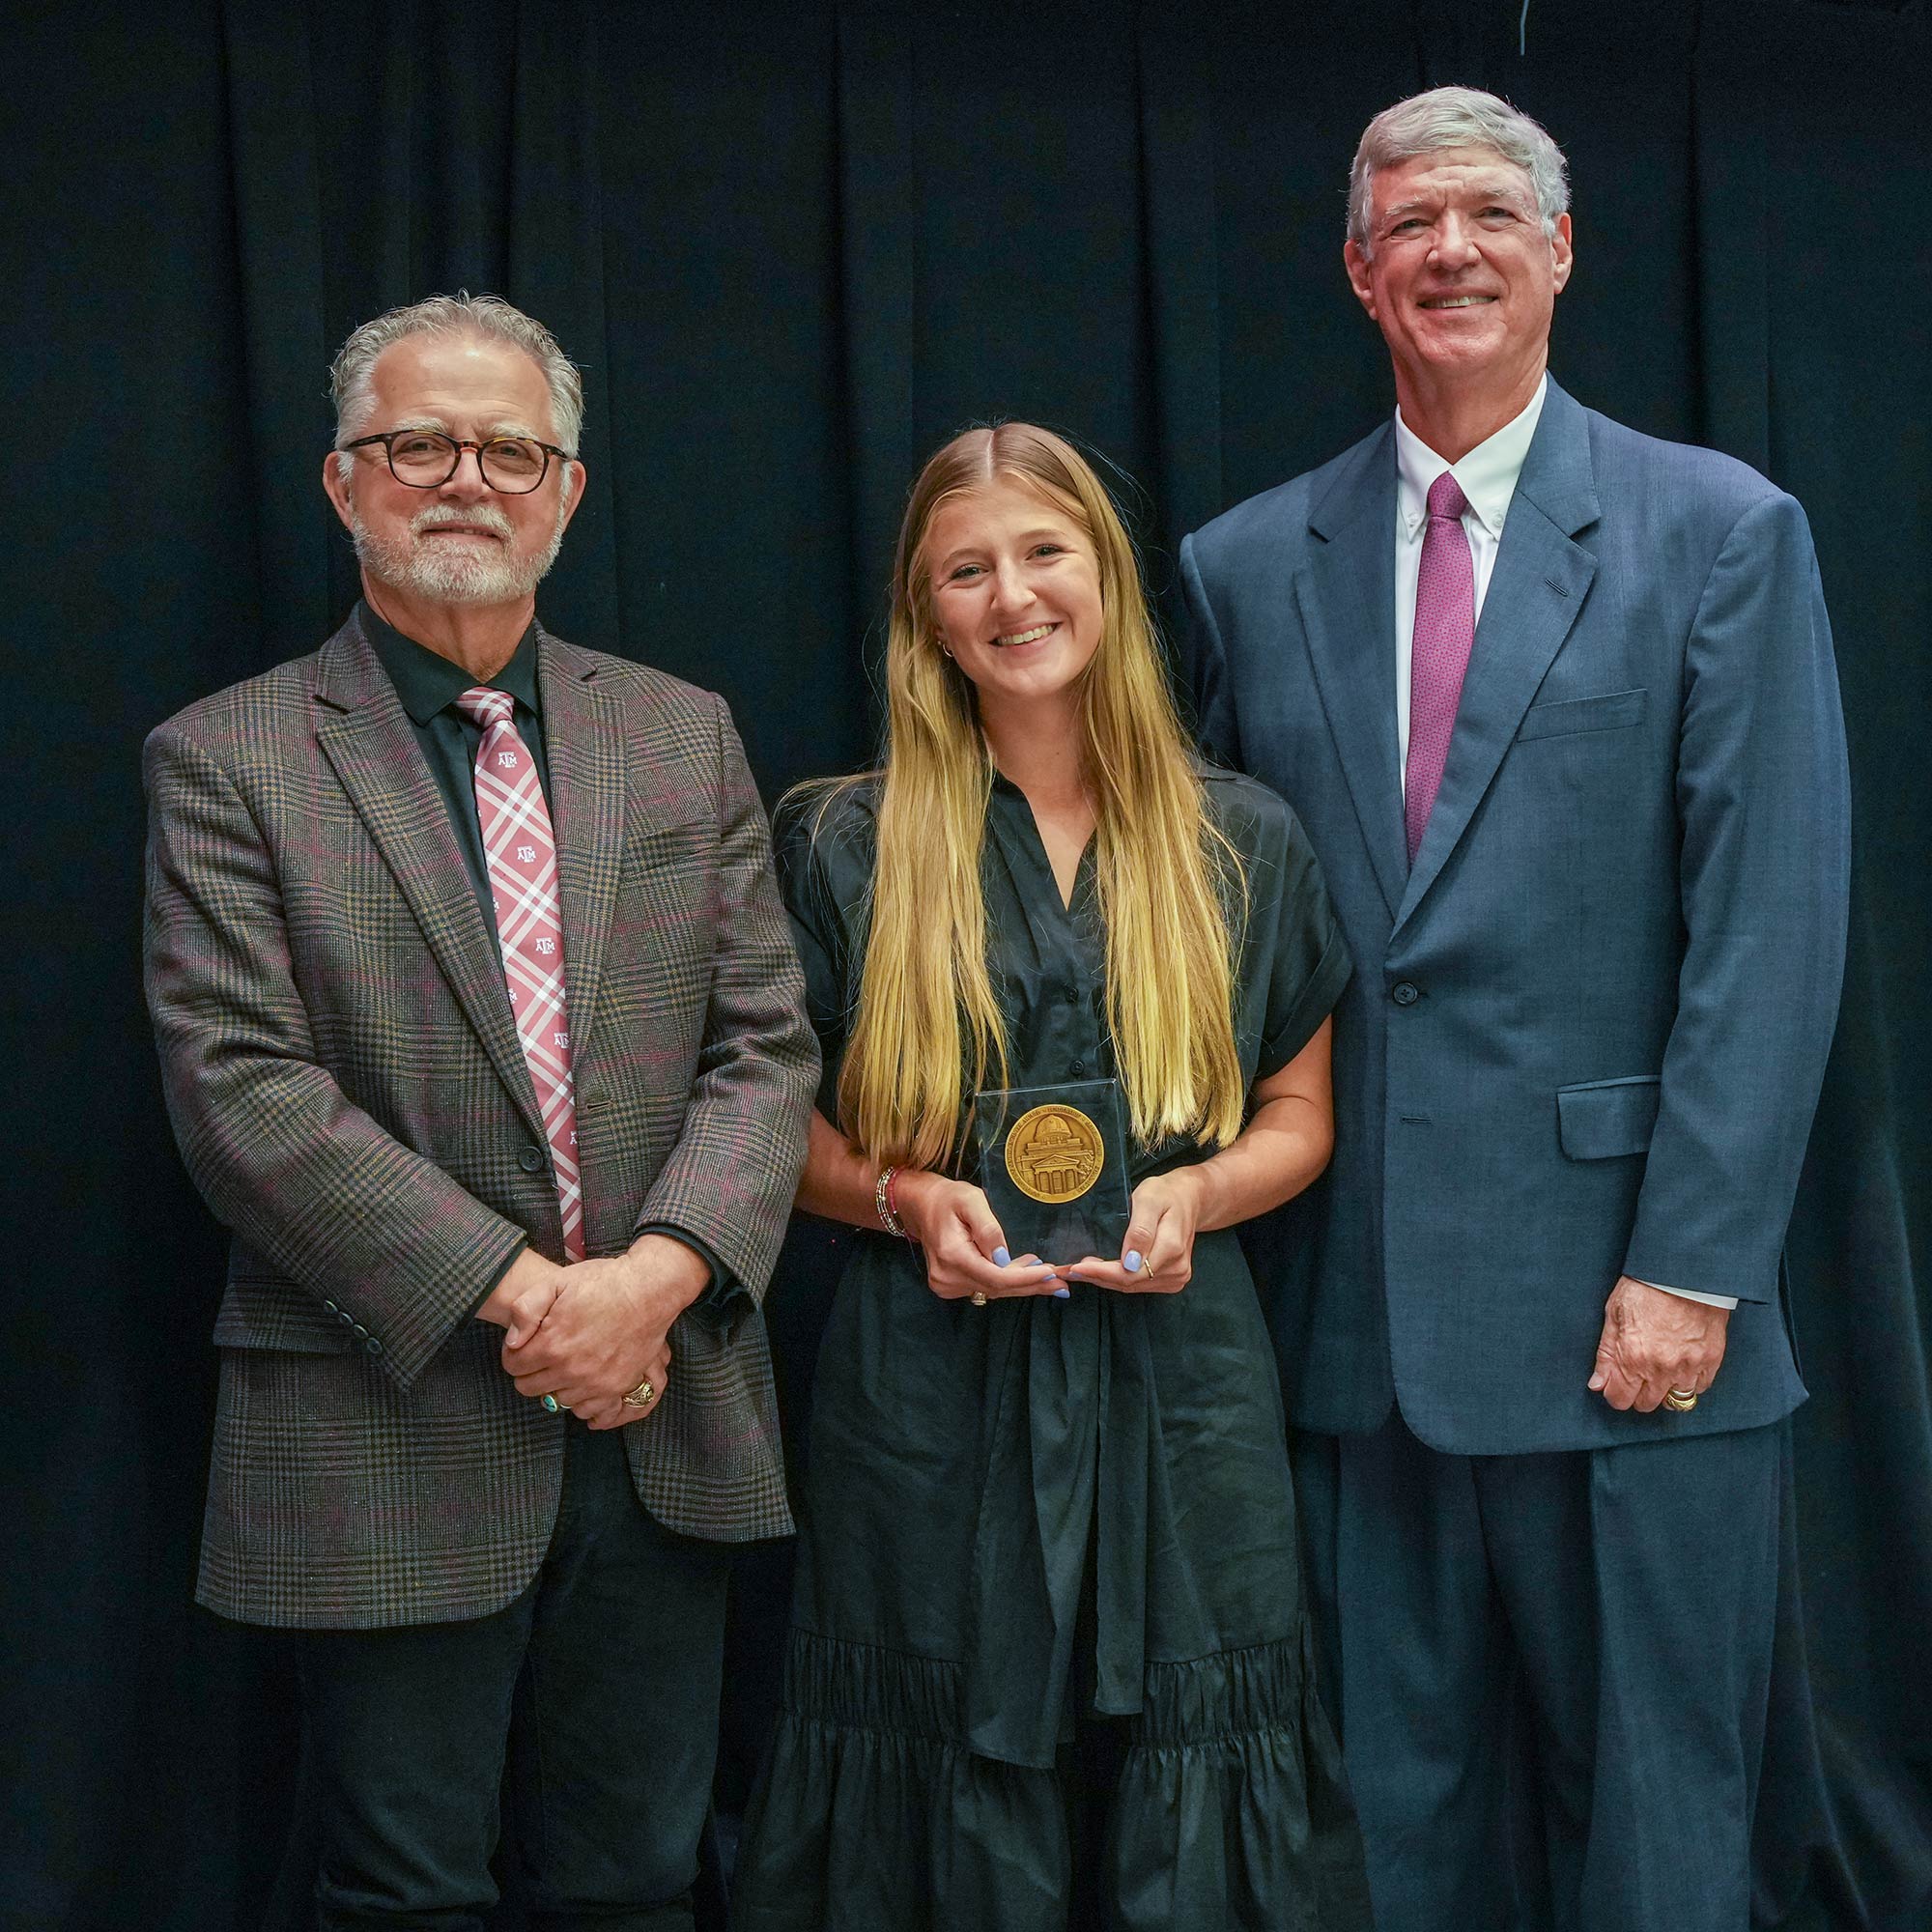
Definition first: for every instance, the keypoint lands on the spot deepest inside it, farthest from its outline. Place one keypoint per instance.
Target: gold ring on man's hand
(643, 1396)
(1682, 1401)
(979, 1300)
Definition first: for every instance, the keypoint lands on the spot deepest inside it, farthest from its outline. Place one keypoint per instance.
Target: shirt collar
(1487, 474)
(427, 683)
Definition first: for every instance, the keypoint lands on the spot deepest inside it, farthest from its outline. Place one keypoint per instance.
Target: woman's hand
(965, 1251)
(1157, 1255)
(1286, 1144)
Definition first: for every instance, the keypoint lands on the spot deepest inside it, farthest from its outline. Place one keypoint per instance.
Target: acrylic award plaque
(1053, 1163)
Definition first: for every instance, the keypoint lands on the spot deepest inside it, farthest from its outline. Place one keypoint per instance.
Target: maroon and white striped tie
(521, 857)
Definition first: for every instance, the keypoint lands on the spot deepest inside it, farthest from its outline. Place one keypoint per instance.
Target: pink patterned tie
(521, 857)
(1445, 628)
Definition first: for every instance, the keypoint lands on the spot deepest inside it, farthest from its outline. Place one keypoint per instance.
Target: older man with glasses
(481, 1028)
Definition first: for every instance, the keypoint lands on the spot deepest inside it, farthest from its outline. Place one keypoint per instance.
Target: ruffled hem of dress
(874, 1815)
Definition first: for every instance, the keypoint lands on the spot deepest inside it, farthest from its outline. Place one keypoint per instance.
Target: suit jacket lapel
(588, 775)
(1346, 594)
(365, 735)
(1536, 590)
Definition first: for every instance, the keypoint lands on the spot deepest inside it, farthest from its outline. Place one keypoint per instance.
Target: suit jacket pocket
(650, 843)
(270, 1311)
(1611, 710)
(1599, 1119)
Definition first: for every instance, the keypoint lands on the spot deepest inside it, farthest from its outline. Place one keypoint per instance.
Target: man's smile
(479, 528)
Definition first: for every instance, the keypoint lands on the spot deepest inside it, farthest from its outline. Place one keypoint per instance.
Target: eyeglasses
(425, 459)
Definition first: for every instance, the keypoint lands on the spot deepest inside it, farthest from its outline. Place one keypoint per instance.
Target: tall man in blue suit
(1556, 703)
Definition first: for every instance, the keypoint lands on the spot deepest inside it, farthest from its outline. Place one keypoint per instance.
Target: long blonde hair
(929, 1028)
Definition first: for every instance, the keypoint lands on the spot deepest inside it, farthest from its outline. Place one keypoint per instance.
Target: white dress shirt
(1487, 477)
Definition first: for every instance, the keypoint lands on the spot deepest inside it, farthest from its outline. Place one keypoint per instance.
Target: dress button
(330, 1306)
(530, 1159)
(362, 1334)
(343, 1316)
(374, 1346)
(1403, 994)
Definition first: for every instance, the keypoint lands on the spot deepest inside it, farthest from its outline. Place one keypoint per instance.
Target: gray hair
(352, 375)
(1457, 117)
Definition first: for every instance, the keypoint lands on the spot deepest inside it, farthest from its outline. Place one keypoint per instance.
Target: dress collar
(427, 683)
(1487, 474)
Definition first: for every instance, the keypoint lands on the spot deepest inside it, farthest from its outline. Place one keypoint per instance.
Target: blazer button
(1403, 994)
(530, 1159)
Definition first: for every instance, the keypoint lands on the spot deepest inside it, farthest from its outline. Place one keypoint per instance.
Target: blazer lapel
(587, 773)
(365, 735)
(1345, 594)
(1536, 590)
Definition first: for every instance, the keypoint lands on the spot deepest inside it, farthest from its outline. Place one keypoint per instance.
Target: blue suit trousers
(1552, 1674)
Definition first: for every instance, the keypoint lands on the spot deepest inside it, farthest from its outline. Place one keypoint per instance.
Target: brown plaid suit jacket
(343, 1071)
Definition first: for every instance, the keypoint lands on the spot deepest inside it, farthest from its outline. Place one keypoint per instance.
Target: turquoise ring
(551, 1403)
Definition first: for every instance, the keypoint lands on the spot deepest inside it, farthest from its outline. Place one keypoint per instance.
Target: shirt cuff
(510, 1261)
(1692, 1294)
(722, 1295)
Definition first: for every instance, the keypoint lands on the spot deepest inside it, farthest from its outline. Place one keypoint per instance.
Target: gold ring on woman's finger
(1680, 1400)
(979, 1300)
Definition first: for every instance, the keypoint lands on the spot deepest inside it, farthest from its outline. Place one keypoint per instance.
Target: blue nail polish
(1000, 1258)
(1061, 1293)
(1134, 1262)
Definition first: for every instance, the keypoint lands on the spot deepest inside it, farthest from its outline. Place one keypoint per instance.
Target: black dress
(1024, 1516)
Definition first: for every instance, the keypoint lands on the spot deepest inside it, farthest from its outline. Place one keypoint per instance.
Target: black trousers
(1553, 1672)
(590, 1702)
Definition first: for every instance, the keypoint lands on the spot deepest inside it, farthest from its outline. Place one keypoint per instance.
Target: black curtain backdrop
(794, 244)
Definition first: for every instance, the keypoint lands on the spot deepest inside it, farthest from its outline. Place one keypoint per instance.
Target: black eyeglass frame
(458, 444)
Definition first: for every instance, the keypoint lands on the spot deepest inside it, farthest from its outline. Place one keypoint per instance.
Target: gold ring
(979, 1300)
(643, 1396)
(1682, 1401)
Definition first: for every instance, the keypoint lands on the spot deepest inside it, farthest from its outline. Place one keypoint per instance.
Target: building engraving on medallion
(1054, 1154)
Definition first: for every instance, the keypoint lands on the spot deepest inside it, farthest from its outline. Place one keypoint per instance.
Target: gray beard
(451, 576)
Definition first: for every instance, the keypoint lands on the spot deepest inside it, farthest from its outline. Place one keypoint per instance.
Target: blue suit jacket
(1588, 1030)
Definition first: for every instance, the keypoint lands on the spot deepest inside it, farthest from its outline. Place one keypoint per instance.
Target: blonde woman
(1050, 1664)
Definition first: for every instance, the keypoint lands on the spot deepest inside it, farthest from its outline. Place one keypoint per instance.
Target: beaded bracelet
(886, 1205)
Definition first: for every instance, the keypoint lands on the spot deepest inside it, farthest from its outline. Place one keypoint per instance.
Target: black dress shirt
(428, 686)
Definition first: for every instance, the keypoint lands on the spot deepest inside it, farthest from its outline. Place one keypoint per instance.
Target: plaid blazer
(343, 1071)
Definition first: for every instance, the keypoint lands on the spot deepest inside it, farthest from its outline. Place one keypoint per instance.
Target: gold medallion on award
(1053, 1161)
(1054, 1154)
